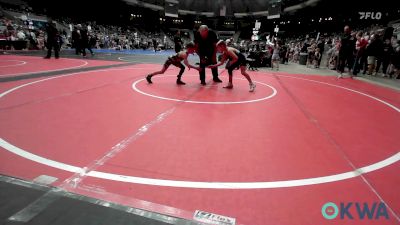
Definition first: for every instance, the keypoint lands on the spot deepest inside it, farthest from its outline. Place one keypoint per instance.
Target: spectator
(373, 51)
(395, 60)
(76, 39)
(321, 47)
(317, 58)
(347, 46)
(275, 56)
(379, 53)
(53, 40)
(21, 35)
(155, 45)
(360, 61)
(85, 42)
(387, 53)
(178, 41)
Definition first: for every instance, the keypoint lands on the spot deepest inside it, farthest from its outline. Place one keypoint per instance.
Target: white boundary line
(121, 58)
(45, 71)
(348, 89)
(209, 185)
(205, 102)
(23, 62)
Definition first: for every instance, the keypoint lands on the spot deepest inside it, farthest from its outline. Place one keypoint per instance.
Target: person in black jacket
(206, 41)
(379, 55)
(388, 51)
(53, 40)
(321, 46)
(85, 41)
(178, 42)
(395, 61)
(374, 49)
(347, 46)
(76, 39)
(155, 45)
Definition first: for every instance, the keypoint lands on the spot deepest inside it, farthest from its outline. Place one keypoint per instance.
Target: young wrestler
(176, 60)
(236, 59)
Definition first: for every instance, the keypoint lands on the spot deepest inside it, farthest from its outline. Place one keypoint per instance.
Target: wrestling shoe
(179, 82)
(217, 80)
(252, 87)
(148, 78)
(229, 86)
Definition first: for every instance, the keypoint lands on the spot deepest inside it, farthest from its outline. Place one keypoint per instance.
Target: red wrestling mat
(275, 156)
(12, 65)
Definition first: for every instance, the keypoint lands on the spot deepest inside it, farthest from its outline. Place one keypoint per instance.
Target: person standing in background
(155, 44)
(372, 53)
(347, 46)
(85, 42)
(92, 42)
(76, 39)
(275, 55)
(379, 43)
(321, 46)
(178, 41)
(387, 53)
(360, 60)
(53, 40)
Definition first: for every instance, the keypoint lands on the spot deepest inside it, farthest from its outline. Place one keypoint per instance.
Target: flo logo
(372, 15)
(354, 210)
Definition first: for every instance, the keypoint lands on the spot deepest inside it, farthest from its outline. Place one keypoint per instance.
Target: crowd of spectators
(366, 50)
(19, 34)
(362, 50)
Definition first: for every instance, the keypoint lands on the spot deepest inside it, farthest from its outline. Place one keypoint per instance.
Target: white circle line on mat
(45, 71)
(20, 64)
(274, 92)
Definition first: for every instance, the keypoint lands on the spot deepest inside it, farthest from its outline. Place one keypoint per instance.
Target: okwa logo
(355, 210)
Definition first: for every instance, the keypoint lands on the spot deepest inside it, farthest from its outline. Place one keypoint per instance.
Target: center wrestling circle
(274, 92)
